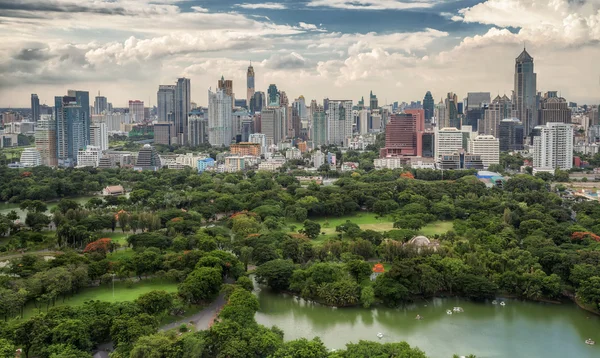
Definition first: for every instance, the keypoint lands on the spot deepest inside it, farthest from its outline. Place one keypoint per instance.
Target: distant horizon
(399, 49)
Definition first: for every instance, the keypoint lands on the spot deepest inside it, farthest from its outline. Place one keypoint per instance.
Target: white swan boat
(590, 342)
(494, 302)
(379, 335)
(458, 309)
(448, 311)
(502, 303)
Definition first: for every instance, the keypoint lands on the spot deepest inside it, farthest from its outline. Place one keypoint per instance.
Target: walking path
(203, 319)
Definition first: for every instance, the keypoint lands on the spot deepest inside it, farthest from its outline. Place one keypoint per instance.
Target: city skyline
(302, 46)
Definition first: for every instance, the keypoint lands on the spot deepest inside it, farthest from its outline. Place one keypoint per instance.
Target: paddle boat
(590, 342)
(502, 303)
(379, 335)
(419, 317)
(494, 302)
(458, 309)
(448, 311)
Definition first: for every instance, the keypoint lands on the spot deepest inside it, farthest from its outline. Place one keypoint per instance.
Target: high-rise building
(525, 92)
(318, 129)
(182, 109)
(226, 85)
(488, 147)
(272, 124)
(272, 96)
(553, 146)
(402, 137)
(510, 135)
(260, 139)
(339, 121)
(499, 109)
(249, 84)
(428, 106)
(553, 109)
(448, 141)
(373, 102)
(89, 157)
(136, 111)
(220, 131)
(35, 108)
(100, 104)
(164, 133)
(296, 123)
(246, 148)
(30, 157)
(83, 100)
(70, 130)
(363, 121)
(452, 118)
(165, 99)
(99, 136)
(45, 140)
(197, 128)
(147, 159)
(428, 144)
(257, 102)
(477, 102)
(440, 115)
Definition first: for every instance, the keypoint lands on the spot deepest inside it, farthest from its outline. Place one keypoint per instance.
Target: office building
(246, 148)
(89, 157)
(402, 137)
(460, 160)
(136, 111)
(100, 104)
(553, 109)
(99, 136)
(451, 114)
(486, 146)
(339, 122)
(205, 163)
(147, 159)
(272, 96)
(45, 140)
(448, 141)
(373, 102)
(164, 133)
(235, 164)
(428, 144)
(249, 84)
(510, 135)
(499, 109)
(477, 102)
(35, 108)
(226, 85)
(70, 130)
(260, 139)
(318, 158)
(272, 124)
(247, 128)
(197, 128)
(30, 157)
(239, 117)
(182, 109)
(428, 106)
(440, 115)
(220, 131)
(257, 102)
(83, 100)
(165, 99)
(553, 146)
(525, 91)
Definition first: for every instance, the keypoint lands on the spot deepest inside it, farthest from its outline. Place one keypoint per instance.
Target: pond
(518, 329)
(5, 208)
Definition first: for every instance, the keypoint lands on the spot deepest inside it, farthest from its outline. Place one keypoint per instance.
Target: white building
(388, 163)
(99, 136)
(272, 164)
(235, 164)
(31, 157)
(89, 157)
(553, 146)
(339, 121)
(272, 124)
(293, 153)
(260, 139)
(318, 158)
(45, 140)
(488, 147)
(220, 124)
(448, 141)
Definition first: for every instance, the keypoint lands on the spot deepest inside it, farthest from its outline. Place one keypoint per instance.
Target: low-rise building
(89, 157)
(113, 190)
(204, 164)
(30, 157)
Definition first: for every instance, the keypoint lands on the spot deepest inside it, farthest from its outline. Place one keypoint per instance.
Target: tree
(384, 207)
(7, 348)
(153, 346)
(201, 284)
(155, 302)
(66, 351)
(302, 348)
(589, 291)
(37, 221)
(276, 274)
(245, 282)
(311, 229)
(125, 330)
(367, 296)
(389, 291)
(73, 332)
(241, 307)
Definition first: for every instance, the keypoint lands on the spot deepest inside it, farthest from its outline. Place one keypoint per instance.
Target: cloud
(199, 9)
(266, 5)
(61, 6)
(289, 61)
(370, 4)
(306, 26)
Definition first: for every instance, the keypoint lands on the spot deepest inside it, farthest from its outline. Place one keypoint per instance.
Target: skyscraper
(402, 136)
(272, 96)
(452, 118)
(165, 99)
(249, 84)
(70, 130)
(99, 136)
(257, 102)
(440, 115)
(525, 93)
(45, 140)
(553, 146)
(475, 108)
(83, 99)
(35, 108)
(510, 135)
(182, 109)
(428, 106)
(272, 124)
(197, 128)
(220, 123)
(136, 111)
(226, 85)
(499, 109)
(318, 133)
(487, 146)
(100, 104)
(373, 102)
(554, 109)
(339, 121)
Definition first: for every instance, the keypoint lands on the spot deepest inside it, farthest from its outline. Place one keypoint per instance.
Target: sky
(340, 49)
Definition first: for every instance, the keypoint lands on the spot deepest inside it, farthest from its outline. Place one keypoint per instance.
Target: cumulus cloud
(289, 61)
(370, 4)
(266, 5)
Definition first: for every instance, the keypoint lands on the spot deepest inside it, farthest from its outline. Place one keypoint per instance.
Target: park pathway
(203, 319)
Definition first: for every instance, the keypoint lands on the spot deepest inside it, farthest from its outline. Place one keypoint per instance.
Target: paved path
(203, 319)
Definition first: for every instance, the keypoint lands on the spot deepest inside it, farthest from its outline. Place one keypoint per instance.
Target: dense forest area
(203, 231)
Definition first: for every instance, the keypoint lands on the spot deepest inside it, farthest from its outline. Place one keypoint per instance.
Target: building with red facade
(403, 135)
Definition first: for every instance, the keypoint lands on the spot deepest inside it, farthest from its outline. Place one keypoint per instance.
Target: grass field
(116, 236)
(105, 293)
(119, 254)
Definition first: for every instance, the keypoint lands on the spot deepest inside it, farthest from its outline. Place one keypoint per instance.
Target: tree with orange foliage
(580, 235)
(407, 175)
(100, 246)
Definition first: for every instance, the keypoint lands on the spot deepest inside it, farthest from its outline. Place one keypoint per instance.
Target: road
(203, 319)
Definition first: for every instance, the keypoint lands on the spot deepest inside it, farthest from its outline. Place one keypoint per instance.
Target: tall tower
(35, 108)
(70, 129)
(182, 109)
(525, 94)
(273, 95)
(83, 100)
(219, 118)
(165, 99)
(249, 84)
(226, 85)
(100, 104)
(428, 106)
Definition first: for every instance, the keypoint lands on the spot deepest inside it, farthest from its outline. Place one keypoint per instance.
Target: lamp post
(113, 284)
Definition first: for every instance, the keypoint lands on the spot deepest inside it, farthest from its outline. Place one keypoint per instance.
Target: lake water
(518, 329)
(6, 208)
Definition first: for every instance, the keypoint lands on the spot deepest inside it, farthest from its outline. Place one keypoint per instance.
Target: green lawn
(436, 227)
(116, 236)
(105, 293)
(120, 254)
